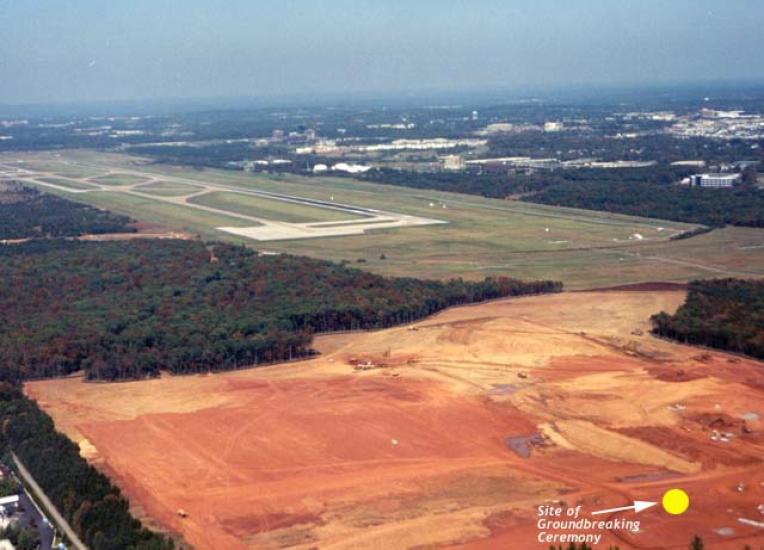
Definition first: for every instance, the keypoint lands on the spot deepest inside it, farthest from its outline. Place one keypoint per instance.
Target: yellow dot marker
(675, 501)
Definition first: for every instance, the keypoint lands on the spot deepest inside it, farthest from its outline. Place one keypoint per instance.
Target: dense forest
(500, 184)
(658, 147)
(86, 498)
(721, 313)
(491, 185)
(644, 192)
(714, 207)
(129, 309)
(204, 156)
(27, 213)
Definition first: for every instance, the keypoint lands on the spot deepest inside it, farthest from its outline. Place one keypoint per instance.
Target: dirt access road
(460, 426)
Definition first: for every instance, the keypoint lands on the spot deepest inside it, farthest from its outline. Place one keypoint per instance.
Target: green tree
(749, 176)
(8, 486)
(27, 540)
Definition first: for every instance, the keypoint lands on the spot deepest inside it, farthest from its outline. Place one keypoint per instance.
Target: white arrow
(638, 506)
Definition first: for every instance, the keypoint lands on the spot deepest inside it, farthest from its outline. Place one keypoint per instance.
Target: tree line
(25, 213)
(94, 507)
(129, 309)
(499, 182)
(695, 544)
(663, 148)
(646, 192)
(726, 314)
(742, 206)
(488, 184)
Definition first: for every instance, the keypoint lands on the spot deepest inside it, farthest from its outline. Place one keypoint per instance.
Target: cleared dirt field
(463, 424)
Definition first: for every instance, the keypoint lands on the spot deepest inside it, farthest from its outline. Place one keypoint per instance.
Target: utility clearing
(449, 432)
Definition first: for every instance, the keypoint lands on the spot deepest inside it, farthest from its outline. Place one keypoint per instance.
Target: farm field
(452, 434)
(404, 232)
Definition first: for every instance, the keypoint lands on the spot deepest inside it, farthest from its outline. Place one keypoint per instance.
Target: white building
(11, 500)
(622, 164)
(553, 126)
(691, 163)
(350, 168)
(496, 128)
(714, 180)
(453, 162)
(712, 113)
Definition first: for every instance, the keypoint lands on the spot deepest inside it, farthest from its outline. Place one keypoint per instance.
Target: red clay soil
(317, 454)
(293, 445)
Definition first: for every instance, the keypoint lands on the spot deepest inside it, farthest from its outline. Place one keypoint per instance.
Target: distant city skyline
(85, 50)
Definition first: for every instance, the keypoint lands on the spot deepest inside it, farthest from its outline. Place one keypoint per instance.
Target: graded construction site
(446, 433)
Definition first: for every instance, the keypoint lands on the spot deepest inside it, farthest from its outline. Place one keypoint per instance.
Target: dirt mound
(719, 421)
(674, 373)
(695, 449)
(379, 361)
(586, 437)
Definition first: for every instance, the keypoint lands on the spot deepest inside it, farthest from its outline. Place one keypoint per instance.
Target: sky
(84, 50)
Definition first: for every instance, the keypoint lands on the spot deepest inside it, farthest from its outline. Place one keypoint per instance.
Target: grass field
(173, 216)
(168, 189)
(53, 162)
(270, 209)
(118, 179)
(483, 237)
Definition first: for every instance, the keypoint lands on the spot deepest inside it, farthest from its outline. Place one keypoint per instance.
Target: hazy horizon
(87, 51)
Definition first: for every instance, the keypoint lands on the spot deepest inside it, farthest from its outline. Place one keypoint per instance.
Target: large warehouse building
(714, 180)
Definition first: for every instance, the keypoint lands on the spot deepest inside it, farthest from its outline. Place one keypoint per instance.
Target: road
(33, 514)
(43, 498)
